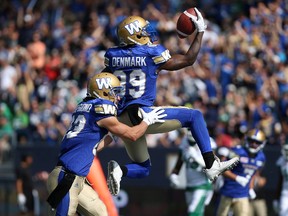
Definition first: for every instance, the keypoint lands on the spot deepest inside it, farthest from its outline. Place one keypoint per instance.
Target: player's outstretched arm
(135, 132)
(181, 61)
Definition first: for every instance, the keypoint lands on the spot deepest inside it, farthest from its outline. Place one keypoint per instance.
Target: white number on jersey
(76, 126)
(137, 79)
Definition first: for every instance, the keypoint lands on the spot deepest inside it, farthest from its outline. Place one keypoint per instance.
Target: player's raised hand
(155, 116)
(199, 21)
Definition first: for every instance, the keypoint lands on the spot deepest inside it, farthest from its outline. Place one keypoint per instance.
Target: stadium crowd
(49, 49)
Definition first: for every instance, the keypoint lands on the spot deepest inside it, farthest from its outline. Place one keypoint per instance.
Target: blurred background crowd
(48, 49)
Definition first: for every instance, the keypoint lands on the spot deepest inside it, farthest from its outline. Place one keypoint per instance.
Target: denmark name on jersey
(136, 67)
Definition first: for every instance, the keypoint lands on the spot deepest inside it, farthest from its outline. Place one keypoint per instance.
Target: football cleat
(114, 177)
(219, 167)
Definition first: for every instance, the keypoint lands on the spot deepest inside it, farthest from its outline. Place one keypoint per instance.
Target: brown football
(185, 25)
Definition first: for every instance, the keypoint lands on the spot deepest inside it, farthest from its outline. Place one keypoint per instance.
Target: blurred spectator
(24, 186)
(6, 132)
(242, 66)
(37, 49)
(52, 65)
(27, 194)
(8, 76)
(20, 125)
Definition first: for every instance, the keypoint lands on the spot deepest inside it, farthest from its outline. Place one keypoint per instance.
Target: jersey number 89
(137, 80)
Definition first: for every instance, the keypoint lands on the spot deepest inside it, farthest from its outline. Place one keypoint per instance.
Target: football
(185, 25)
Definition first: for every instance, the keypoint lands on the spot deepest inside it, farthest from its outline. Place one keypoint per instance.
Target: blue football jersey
(136, 67)
(246, 166)
(76, 152)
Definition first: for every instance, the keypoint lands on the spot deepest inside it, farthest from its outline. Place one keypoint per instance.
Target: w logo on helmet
(103, 82)
(133, 27)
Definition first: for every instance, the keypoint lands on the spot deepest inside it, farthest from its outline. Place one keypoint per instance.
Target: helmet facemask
(255, 141)
(116, 93)
(149, 31)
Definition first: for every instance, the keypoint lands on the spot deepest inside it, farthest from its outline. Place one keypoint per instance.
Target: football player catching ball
(137, 63)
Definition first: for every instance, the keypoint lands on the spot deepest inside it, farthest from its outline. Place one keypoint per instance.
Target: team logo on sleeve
(165, 56)
(105, 109)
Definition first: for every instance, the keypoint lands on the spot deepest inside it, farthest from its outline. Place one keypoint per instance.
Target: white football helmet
(255, 140)
(135, 30)
(105, 85)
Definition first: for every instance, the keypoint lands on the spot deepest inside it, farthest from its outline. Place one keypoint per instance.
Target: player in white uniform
(199, 189)
(281, 202)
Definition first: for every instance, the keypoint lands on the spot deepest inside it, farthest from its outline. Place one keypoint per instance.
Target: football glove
(174, 180)
(155, 116)
(21, 199)
(243, 181)
(252, 194)
(199, 21)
